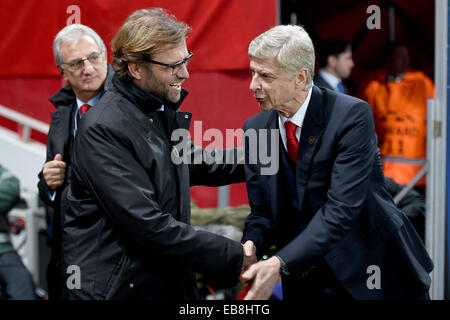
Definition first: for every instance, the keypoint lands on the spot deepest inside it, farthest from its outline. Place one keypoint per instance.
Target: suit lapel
(311, 134)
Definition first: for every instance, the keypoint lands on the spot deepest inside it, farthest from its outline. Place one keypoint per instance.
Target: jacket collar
(65, 96)
(144, 99)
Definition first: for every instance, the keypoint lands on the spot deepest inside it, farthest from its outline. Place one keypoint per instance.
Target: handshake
(265, 274)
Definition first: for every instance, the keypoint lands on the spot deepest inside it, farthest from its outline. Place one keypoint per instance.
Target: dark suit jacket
(352, 221)
(60, 136)
(321, 82)
(59, 140)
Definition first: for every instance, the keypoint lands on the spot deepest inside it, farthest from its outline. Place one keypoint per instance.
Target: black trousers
(16, 282)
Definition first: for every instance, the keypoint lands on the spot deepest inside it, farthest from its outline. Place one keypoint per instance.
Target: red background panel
(221, 29)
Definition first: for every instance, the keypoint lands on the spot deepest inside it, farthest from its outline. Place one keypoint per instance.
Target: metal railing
(406, 189)
(26, 122)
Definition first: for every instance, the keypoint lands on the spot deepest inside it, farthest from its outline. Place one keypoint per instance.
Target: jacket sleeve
(216, 167)
(9, 191)
(413, 204)
(356, 151)
(44, 191)
(259, 225)
(104, 161)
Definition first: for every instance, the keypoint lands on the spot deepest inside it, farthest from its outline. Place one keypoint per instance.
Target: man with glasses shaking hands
(80, 56)
(128, 227)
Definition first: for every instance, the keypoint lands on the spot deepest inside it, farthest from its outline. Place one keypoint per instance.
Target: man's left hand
(249, 255)
(265, 275)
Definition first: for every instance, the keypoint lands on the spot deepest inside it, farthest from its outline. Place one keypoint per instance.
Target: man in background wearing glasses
(127, 233)
(80, 56)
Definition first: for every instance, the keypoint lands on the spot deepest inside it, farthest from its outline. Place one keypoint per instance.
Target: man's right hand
(54, 172)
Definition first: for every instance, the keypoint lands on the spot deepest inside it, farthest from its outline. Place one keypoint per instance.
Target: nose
(182, 71)
(254, 84)
(87, 66)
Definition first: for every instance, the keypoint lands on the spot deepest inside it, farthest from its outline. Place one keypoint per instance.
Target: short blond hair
(144, 33)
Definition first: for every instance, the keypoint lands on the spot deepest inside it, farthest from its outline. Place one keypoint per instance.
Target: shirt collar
(391, 78)
(330, 78)
(299, 116)
(91, 102)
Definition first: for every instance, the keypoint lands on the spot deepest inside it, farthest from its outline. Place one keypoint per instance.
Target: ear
(302, 76)
(61, 70)
(136, 70)
(331, 61)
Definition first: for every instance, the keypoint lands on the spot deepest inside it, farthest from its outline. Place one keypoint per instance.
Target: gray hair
(290, 45)
(71, 33)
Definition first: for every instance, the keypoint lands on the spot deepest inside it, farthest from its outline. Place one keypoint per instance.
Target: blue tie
(341, 87)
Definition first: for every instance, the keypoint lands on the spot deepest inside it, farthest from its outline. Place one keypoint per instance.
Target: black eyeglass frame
(173, 65)
(77, 64)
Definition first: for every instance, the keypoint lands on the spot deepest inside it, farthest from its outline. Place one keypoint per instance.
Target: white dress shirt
(297, 119)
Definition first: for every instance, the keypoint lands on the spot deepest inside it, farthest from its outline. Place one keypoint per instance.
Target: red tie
(292, 142)
(84, 108)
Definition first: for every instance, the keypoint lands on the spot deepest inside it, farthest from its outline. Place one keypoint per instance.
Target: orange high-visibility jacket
(400, 111)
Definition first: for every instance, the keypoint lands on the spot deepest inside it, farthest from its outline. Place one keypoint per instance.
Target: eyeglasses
(77, 64)
(175, 66)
